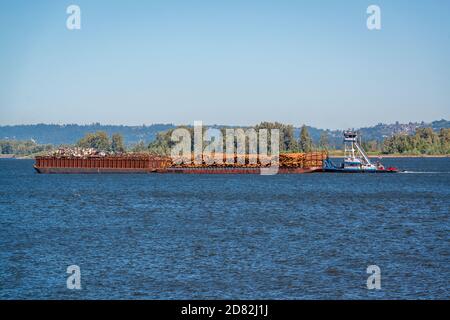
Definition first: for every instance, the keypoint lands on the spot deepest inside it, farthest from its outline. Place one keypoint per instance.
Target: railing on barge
(104, 162)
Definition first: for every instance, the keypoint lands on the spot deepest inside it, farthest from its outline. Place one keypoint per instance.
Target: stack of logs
(288, 160)
(126, 160)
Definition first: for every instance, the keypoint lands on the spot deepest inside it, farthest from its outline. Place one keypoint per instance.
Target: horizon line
(211, 125)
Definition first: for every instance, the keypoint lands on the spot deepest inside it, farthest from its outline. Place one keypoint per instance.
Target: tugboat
(356, 159)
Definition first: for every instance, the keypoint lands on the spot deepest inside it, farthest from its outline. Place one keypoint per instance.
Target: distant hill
(70, 133)
(378, 132)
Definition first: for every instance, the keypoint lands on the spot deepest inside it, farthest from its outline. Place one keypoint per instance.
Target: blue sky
(224, 62)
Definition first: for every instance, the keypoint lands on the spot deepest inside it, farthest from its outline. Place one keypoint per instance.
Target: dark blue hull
(329, 166)
(340, 170)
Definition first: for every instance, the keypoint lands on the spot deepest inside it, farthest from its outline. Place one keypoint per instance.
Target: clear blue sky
(225, 62)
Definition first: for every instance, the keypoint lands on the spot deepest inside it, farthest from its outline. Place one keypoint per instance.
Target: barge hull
(171, 170)
(56, 170)
(144, 164)
(238, 170)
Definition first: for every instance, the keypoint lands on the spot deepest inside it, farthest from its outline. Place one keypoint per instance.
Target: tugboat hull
(340, 170)
(329, 166)
(356, 160)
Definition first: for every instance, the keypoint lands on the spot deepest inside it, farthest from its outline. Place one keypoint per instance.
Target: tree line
(101, 142)
(23, 148)
(424, 141)
(288, 142)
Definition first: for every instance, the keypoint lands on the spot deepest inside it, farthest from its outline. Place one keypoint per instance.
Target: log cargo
(143, 163)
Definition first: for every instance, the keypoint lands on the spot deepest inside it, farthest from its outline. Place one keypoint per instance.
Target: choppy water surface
(226, 236)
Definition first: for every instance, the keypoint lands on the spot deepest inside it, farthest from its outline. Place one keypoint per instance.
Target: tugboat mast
(356, 159)
(352, 148)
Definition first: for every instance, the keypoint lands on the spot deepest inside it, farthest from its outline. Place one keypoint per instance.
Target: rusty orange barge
(293, 163)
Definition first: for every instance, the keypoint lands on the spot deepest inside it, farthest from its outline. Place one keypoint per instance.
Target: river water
(308, 236)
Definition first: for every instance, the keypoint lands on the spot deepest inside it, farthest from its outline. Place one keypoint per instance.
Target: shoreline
(410, 156)
(397, 156)
(384, 156)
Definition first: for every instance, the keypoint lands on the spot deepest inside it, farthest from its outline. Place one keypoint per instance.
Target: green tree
(305, 140)
(373, 146)
(139, 147)
(7, 147)
(22, 148)
(291, 144)
(324, 141)
(117, 144)
(99, 141)
(424, 141)
(287, 141)
(444, 137)
(427, 141)
(163, 142)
